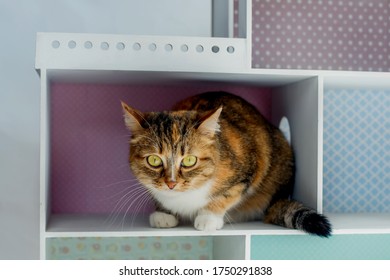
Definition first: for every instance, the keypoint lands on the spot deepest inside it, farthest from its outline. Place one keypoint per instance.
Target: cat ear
(133, 118)
(209, 123)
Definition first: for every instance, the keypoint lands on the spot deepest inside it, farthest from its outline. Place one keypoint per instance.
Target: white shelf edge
(127, 52)
(138, 77)
(251, 77)
(360, 223)
(92, 226)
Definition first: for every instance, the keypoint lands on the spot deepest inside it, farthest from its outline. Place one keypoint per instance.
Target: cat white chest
(186, 203)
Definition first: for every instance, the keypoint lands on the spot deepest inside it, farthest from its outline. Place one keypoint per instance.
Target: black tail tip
(317, 224)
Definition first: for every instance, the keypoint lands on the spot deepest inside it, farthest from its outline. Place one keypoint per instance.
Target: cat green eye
(189, 161)
(154, 161)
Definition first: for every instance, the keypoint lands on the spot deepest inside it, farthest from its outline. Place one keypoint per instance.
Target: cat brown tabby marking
(216, 159)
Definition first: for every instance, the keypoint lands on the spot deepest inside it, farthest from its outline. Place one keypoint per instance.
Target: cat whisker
(137, 185)
(119, 205)
(127, 135)
(141, 199)
(117, 183)
(122, 202)
(136, 200)
(229, 220)
(111, 219)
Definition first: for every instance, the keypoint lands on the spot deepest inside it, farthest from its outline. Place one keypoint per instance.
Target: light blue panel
(129, 248)
(356, 151)
(305, 247)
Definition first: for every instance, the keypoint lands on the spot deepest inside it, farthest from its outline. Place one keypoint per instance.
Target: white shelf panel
(96, 225)
(136, 77)
(129, 52)
(254, 77)
(360, 223)
(360, 80)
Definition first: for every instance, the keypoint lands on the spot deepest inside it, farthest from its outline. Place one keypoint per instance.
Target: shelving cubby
(84, 169)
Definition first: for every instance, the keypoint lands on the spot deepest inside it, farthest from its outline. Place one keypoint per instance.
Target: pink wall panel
(89, 170)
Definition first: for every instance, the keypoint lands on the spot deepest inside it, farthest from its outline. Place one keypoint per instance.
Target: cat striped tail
(293, 214)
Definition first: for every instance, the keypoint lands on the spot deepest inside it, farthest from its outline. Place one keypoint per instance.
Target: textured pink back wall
(89, 170)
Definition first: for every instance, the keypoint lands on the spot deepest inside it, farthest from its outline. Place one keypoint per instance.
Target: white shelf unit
(143, 60)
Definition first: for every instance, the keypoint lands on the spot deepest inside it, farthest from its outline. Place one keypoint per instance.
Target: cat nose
(171, 184)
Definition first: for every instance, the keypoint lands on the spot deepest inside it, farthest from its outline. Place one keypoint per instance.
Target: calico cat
(214, 159)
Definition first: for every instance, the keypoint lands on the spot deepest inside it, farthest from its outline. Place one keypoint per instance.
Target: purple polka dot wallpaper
(348, 35)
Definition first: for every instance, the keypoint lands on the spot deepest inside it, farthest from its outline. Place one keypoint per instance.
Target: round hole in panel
(215, 49)
(184, 48)
(168, 47)
(284, 126)
(199, 48)
(230, 49)
(72, 44)
(137, 46)
(88, 45)
(152, 47)
(120, 46)
(55, 44)
(104, 46)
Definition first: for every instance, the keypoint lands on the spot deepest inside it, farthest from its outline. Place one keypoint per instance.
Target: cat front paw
(162, 220)
(208, 222)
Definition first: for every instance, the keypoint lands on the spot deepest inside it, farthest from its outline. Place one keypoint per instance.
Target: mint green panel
(129, 248)
(305, 247)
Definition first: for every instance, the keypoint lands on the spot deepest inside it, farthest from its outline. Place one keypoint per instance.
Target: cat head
(172, 151)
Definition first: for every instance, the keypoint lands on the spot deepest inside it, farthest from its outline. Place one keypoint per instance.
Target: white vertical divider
(44, 159)
(320, 154)
(301, 104)
(248, 239)
(248, 29)
(231, 18)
